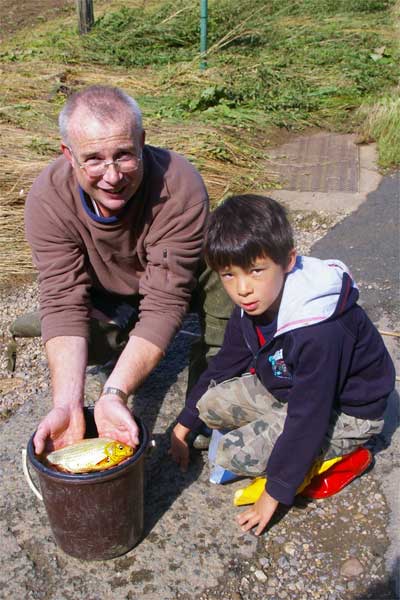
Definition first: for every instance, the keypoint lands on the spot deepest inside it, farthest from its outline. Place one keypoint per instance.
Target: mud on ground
(15, 15)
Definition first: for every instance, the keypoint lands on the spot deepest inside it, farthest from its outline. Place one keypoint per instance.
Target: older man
(116, 229)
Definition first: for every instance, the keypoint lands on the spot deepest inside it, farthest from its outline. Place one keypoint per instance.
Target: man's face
(90, 140)
(258, 289)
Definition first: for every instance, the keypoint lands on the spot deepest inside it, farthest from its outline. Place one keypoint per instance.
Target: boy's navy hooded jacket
(322, 353)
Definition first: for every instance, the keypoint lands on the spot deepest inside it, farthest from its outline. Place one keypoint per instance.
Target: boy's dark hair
(246, 227)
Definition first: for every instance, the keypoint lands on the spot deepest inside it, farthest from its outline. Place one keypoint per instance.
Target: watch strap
(116, 391)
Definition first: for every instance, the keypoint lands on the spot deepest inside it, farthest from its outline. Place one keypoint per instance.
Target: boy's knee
(238, 459)
(204, 404)
(208, 410)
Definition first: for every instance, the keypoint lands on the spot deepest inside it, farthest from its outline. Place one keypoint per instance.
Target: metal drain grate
(323, 162)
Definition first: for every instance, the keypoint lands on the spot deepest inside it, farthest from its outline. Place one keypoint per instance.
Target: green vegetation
(284, 62)
(380, 121)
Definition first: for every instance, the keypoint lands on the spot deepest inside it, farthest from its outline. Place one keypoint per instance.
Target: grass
(273, 67)
(288, 63)
(378, 118)
(380, 121)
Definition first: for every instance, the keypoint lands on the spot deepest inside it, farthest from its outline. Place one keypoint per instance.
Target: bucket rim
(97, 475)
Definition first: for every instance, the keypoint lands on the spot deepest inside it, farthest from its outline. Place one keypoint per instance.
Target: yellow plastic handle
(28, 475)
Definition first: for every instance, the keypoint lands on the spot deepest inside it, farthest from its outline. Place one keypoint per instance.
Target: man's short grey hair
(104, 102)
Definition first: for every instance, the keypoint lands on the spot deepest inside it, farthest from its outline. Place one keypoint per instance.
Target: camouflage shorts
(255, 419)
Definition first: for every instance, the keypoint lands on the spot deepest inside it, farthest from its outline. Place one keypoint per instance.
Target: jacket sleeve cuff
(280, 491)
(63, 326)
(190, 419)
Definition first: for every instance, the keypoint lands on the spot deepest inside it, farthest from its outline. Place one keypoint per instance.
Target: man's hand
(65, 423)
(259, 514)
(61, 427)
(114, 420)
(179, 447)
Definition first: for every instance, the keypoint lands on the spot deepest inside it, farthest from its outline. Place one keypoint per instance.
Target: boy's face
(257, 289)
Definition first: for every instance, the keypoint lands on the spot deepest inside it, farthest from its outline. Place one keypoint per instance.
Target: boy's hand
(179, 447)
(259, 514)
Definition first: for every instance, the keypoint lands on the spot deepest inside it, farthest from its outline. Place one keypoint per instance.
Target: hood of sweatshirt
(315, 290)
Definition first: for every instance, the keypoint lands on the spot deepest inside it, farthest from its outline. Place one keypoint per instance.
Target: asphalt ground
(331, 172)
(368, 241)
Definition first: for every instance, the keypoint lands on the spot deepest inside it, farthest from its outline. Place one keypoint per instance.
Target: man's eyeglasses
(94, 167)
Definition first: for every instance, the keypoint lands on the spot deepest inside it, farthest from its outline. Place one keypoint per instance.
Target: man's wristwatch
(116, 392)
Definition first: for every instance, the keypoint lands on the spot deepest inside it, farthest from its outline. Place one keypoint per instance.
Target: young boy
(302, 372)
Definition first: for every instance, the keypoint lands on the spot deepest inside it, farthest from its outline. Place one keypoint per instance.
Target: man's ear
(291, 260)
(67, 153)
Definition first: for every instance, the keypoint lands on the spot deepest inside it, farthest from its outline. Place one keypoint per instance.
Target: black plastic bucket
(95, 516)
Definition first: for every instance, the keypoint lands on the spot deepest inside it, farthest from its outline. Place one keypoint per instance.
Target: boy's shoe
(202, 438)
(201, 442)
(218, 474)
(339, 475)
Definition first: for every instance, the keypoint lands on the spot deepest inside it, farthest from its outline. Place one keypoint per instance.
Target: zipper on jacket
(253, 368)
(165, 258)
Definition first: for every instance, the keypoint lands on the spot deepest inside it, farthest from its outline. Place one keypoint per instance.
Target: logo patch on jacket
(278, 366)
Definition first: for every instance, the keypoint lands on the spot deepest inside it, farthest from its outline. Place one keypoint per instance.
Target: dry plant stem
(390, 333)
(175, 14)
